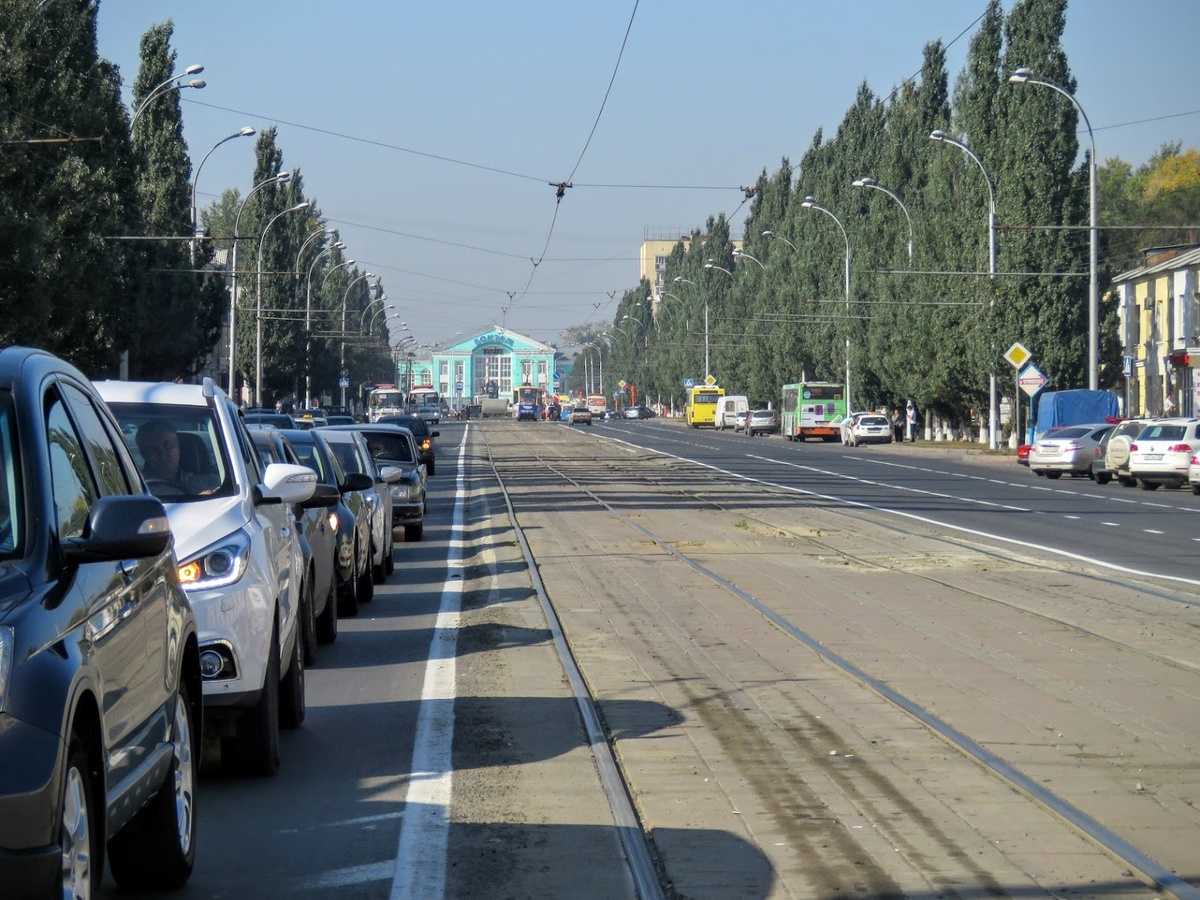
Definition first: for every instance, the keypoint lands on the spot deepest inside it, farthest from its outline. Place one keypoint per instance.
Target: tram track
(725, 705)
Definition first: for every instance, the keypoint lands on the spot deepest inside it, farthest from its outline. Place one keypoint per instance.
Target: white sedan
(869, 428)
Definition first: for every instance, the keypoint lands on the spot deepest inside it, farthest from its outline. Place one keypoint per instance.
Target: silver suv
(240, 560)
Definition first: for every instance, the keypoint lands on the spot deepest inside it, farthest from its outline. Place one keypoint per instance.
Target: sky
(432, 134)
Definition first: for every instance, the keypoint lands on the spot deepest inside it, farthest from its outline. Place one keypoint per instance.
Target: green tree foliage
(1161, 194)
(64, 282)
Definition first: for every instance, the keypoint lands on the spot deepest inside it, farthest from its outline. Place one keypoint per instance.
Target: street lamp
(679, 279)
(280, 179)
(739, 253)
(868, 182)
(171, 84)
(243, 132)
(342, 358)
(810, 202)
(779, 237)
(258, 307)
(1026, 76)
(338, 245)
(362, 319)
(941, 137)
(600, 357)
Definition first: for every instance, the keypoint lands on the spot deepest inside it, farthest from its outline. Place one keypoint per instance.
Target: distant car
(1023, 454)
(847, 427)
(580, 415)
(637, 412)
(1069, 450)
(1116, 451)
(317, 417)
(870, 428)
(423, 433)
(1162, 452)
(317, 524)
(762, 421)
(739, 421)
(350, 448)
(338, 419)
(613, 415)
(275, 419)
(100, 711)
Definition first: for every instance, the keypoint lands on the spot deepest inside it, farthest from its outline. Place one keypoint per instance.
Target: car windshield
(12, 510)
(178, 449)
(873, 420)
(1163, 433)
(415, 424)
(389, 447)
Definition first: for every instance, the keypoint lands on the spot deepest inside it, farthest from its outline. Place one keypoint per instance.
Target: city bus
(424, 401)
(813, 409)
(529, 402)
(700, 405)
(384, 400)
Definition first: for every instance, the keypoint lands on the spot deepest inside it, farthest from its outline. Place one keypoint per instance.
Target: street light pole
(810, 202)
(1026, 76)
(165, 87)
(710, 265)
(342, 358)
(993, 408)
(868, 182)
(244, 132)
(280, 179)
(258, 306)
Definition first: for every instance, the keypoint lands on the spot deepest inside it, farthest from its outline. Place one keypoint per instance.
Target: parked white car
(1070, 450)
(869, 428)
(1162, 452)
(240, 560)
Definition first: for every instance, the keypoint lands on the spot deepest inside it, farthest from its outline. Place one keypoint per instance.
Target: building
(492, 364)
(652, 261)
(1159, 312)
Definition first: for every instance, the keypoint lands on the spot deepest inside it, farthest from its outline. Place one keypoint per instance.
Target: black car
(391, 446)
(421, 431)
(637, 412)
(264, 417)
(317, 523)
(93, 748)
(353, 519)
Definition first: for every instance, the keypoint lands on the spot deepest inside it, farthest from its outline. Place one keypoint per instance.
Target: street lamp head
(709, 264)
(678, 278)
(246, 131)
(299, 206)
(283, 177)
(339, 245)
(937, 135)
(768, 234)
(809, 202)
(197, 83)
(193, 70)
(1020, 76)
(864, 181)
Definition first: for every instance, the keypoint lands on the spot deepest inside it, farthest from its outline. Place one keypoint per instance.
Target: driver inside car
(159, 446)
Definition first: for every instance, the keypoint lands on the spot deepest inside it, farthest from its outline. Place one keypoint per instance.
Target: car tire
(1053, 475)
(292, 700)
(1196, 489)
(1102, 477)
(157, 849)
(79, 828)
(366, 577)
(348, 601)
(390, 562)
(414, 532)
(307, 618)
(255, 747)
(1126, 481)
(379, 572)
(1147, 485)
(327, 624)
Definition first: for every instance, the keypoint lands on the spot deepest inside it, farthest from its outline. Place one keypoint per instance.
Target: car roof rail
(210, 389)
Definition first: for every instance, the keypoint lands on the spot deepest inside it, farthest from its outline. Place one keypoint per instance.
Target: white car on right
(1162, 452)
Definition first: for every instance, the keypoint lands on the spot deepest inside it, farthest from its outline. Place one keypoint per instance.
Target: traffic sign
(343, 382)
(1031, 380)
(458, 386)
(1017, 355)
(689, 383)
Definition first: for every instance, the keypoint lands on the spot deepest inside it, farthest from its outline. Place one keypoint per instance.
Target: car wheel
(379, 572)
(414, 532)
(390, 562)
(348, 601)
(255, 747)
(308, 622)
(292, 705)
(1126, 481)
(1053, 475)
(1196, 489)
(327, 621)
(79, 832)
(1147, 485)
(366, 578)
(157, 850)
(1102, 477)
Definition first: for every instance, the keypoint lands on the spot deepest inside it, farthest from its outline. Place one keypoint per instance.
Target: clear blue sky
(707, 95)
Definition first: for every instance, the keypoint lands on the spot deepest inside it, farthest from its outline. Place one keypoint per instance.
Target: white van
(727, 409)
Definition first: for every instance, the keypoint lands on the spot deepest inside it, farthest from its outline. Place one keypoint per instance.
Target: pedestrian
(898, 425)
(910, 421)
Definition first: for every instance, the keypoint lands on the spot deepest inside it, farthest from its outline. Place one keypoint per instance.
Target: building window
(541, 372)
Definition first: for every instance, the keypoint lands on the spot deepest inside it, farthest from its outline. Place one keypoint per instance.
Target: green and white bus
(813, 409)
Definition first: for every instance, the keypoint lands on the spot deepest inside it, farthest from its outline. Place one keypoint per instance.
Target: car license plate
(1152, 457)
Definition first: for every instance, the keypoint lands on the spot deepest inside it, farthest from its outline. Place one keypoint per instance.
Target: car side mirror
(120, 527)
(356, 481)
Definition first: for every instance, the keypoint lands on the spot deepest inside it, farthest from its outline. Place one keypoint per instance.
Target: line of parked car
(167, 572)
(1148, 453)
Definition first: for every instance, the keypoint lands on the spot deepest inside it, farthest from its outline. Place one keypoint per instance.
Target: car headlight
(406, 492)
(217, 565)
(333, 521)
(7, 638)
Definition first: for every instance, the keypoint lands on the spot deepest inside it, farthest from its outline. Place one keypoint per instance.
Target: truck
(1081, 407)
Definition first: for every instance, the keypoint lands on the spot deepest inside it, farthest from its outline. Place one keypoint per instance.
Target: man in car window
(159, 446)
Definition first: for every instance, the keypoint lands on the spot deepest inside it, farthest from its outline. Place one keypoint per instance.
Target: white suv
(1162, 452)
(239, 556)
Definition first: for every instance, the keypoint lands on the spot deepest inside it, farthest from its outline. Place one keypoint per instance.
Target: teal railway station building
(491, 365)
